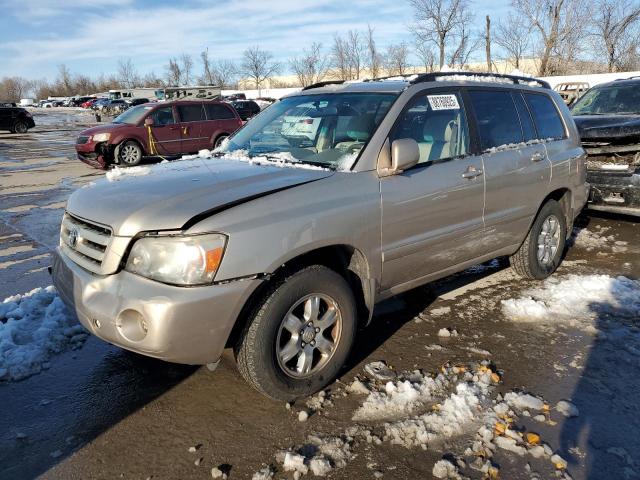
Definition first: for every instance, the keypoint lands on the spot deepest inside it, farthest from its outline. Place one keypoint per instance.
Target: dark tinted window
(215, 111)
(546, 116)
(163, 116)
(191, 113)
(438, 123)
(498, 122)
(528, 129)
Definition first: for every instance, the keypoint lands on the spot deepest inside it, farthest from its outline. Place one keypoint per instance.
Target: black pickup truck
(608, 118)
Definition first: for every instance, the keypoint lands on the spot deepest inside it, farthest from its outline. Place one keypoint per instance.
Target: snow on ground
(596, 239)
(576, 300)
(424, 411)
(34, 326)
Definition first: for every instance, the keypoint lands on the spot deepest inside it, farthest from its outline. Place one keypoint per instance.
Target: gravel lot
(95, 411)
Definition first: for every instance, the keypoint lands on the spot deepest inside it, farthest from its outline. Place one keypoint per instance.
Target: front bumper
(182, 324)
(613, 191)
(93, 154)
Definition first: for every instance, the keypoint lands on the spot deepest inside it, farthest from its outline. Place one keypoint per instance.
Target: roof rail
(627, 78)
(323, 84)
(402, 75)
(432, 77)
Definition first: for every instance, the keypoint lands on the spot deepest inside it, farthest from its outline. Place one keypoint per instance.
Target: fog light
(132, 325)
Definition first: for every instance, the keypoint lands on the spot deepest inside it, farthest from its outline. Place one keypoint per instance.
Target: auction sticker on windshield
(443, 102)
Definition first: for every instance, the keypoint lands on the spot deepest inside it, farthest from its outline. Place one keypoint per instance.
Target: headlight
(178, 260)
(101, 137)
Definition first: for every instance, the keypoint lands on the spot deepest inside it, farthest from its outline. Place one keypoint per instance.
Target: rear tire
(219, 141)
(129, 154)
(300, 334)
(541, 252)
(20, 127)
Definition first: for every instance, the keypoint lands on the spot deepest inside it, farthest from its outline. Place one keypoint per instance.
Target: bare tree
(397, 59)
(127, 73)
(174, 73)
(374, 61)
(187, 68)
(554, 21)
(437, 21)
(355, 52)
(466, 45)
(340, 58)
(12, 89)
(514, 36)
(64, 80)
(487, 43)
(224, 73)
(258, 65)
(310, 68)
(615, 25)
(426, 56)
(207, 76)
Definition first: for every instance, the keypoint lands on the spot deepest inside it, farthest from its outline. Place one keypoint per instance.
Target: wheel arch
(346, 260)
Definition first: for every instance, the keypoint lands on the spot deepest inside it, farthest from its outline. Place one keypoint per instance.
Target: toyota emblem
(73, 237)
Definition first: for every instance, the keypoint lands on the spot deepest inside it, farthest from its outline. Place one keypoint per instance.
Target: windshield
(622, 99)
(133, 115)
(328, 130)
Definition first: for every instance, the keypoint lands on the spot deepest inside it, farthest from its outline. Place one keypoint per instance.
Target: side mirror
(405, 153)
(148, 122)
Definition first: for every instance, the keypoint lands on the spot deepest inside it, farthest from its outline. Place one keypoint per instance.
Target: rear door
(165, 132)
(516, 168)
(432, 213)
(221, 120)
(192, 117)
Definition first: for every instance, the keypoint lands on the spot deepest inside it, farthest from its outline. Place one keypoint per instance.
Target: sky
(90, 36)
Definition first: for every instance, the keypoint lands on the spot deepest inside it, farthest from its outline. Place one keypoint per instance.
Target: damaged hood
(170, 196)
(609, 128)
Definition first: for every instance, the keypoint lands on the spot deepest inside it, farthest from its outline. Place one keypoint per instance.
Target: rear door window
(528, 128)
(218, 112)
(546, 116)
(497, 118)
(192, 113)
(438, 123)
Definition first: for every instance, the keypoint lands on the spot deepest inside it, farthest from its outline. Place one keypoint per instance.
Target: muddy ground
(99, 412)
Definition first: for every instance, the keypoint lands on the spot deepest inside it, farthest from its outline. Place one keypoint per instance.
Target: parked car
(281, 252)
(79, 101)
(158, 129)
(89, 103)
(15, 119)
(99, 104)
(246, 108)
(137, 101)
(608, 119)
(7, 104)
(571, 91)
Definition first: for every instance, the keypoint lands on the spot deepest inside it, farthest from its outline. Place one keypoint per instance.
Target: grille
(84, 242)
(82, 140)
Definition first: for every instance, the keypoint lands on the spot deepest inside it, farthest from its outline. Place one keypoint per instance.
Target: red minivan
(158, 129)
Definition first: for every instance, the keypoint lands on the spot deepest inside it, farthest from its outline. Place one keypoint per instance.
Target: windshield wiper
(290, 160)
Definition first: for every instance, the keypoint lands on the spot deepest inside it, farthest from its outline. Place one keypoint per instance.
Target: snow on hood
(167, 195)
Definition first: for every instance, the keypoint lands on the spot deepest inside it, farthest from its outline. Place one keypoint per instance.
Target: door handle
(536, 157)
(472, 172)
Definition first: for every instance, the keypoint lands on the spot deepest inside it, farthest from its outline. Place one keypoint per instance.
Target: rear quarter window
(546, 116)
(497, 118)
(218, 112)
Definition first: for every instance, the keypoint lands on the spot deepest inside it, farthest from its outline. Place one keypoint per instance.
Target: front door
(6, 119)
(432, 213)
(165, 132)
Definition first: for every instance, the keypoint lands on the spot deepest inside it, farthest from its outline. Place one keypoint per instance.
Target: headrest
(359, 127)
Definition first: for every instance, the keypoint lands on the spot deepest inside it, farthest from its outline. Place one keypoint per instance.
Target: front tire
(541, 252)
(219, 141)
(300, 335)
(130, 154)
(20, 127)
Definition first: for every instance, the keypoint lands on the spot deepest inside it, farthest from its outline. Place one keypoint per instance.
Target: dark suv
(608, 119)
(164, 129)
(15, 119)
(246, 108)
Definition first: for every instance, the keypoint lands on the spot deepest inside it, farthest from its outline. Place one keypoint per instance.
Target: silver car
(280, 248)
